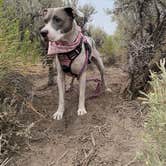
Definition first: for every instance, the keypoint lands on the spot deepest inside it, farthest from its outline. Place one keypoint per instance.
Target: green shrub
(11, 49)
(155, 126)
(98, 35)
(108, 46)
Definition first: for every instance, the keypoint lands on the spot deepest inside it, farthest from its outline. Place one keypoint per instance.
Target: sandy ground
(109, 135)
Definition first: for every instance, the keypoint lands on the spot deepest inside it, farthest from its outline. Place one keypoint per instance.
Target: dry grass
(15, 91)
(155, 125)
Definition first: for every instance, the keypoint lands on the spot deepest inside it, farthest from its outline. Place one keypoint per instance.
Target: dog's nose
(44, 33)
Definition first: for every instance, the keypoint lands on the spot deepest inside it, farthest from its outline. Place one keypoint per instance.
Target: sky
(100, 18)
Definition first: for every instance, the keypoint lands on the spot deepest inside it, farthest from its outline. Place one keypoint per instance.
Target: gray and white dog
(60, 25)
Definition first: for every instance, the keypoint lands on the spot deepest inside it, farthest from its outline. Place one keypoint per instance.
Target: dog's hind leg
(99, 63)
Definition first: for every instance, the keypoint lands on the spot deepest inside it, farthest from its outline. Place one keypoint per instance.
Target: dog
(61, 27)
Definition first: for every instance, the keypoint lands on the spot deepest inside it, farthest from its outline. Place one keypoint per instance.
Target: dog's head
(58, 22)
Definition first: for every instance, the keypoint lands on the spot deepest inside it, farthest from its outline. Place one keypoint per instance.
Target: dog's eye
(57, 19)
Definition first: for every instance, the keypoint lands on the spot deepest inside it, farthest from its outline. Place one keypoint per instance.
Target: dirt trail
(109, 135)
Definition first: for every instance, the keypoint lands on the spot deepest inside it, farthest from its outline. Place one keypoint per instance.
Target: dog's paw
(108, 90)
(81, 112)
(58, 115)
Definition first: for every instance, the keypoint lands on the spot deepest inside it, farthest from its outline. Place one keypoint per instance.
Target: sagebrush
(155, 125)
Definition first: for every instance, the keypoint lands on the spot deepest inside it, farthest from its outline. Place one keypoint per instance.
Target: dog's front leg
(82, 87)
(61, 90)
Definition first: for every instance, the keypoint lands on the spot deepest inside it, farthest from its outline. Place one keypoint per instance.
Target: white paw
(58, 115)
(81, 111)
(108, 90)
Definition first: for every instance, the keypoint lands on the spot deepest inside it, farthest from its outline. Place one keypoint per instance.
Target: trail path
(109, 135)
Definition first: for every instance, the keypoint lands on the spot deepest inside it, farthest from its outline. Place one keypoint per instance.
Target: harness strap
(68, 52)
(72, 55)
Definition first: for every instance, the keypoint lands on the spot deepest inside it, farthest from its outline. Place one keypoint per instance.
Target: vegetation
(141, 33)
(97, 34)
(13, 54)
(19, 46)
(110, 46)
(155, 125)
(15, 92)
(12, 50)
(143, 27)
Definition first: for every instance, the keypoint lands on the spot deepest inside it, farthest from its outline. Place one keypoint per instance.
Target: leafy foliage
(155, 126)
(109, 46)
(13, 86)
(12, 49)
(143, 26)
(88, 11)
(97, 34)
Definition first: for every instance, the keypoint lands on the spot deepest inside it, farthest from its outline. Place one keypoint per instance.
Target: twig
(93, 139)
(132, 161)
(85, 153)
(6, 161)
(29, 105)
(87, 159)
(61, 157)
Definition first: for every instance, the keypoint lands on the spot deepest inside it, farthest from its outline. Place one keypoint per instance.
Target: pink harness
(68, 52)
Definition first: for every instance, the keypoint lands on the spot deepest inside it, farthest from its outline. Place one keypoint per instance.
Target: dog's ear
(70, 12)
(44, 12)
(73, 12)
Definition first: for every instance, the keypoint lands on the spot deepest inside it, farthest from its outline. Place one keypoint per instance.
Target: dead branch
(31, 107)
(88, 158)
(93, 139)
